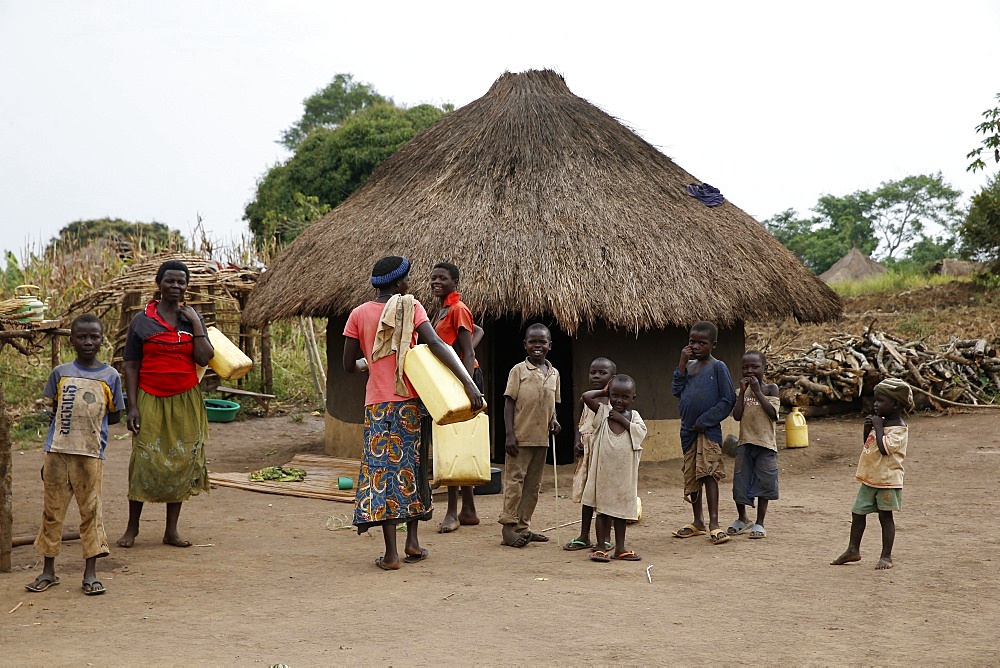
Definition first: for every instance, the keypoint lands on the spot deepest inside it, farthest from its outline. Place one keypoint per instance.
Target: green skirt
(168, 453)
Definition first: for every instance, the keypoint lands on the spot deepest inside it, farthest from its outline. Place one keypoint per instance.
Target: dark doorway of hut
(507, 349)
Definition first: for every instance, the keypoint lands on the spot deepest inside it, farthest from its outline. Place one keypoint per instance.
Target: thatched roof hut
(855, 266)
(553, 210)
(537, 193)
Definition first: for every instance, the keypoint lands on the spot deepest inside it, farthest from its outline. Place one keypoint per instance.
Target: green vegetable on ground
(278, 474)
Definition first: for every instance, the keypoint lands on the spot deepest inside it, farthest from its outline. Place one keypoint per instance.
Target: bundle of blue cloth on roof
(706, 194)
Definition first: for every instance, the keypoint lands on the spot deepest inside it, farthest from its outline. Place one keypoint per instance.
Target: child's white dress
(613, 476)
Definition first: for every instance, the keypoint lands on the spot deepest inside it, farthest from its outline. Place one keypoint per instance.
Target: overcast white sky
(167, 110)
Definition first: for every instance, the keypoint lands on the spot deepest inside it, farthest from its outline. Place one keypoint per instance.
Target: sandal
(93, 587)
(719, 537)
(600, 555)
(627, 556)
(688, 530)
(577, 544)
(737, 527)
(42, 582)
(519, 540)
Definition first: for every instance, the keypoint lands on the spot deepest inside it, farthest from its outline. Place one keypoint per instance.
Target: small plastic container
(32, 308)
(221, 410)
(796, 430)
(462, 452)
(439, 389)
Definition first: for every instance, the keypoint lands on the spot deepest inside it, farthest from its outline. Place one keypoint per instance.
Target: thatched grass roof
(854, 266)
(550, 207)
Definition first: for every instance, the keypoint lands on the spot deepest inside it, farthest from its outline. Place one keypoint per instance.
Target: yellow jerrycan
(229, 361)
(796, 430)
(462, 452)
(439, 389)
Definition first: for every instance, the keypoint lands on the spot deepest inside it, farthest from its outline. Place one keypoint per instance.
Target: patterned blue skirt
(393, 483)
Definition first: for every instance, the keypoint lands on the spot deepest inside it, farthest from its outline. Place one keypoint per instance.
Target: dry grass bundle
(550, 206)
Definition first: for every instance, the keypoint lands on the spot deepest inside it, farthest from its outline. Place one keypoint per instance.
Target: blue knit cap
(389, 269)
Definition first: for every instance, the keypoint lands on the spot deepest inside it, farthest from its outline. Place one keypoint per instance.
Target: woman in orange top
(454, 324)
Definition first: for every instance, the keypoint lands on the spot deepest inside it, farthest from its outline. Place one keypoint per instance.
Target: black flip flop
(42, 582)
(90, 582)
(414, 558)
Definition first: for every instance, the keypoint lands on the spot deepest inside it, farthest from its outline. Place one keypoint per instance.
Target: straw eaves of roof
(854, 266)
(550, 207)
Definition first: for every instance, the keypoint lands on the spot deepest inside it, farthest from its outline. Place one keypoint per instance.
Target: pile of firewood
(963, 372)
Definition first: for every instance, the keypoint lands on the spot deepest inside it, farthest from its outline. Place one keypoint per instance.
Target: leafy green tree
(329, 165)
(886, 220)
(130, 235)
(980, 231)
(924, 254)
(284, 226)
(990, 129)
(899, 211)
(331, 106)
(823, 239)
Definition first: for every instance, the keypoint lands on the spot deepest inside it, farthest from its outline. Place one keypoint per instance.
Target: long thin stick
(564, 524)
(555, 478)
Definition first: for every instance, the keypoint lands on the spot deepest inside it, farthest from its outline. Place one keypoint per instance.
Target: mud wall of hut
(650, 359)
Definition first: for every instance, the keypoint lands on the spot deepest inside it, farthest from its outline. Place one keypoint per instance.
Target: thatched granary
(950, 266)
(555, 212)
(855, 266)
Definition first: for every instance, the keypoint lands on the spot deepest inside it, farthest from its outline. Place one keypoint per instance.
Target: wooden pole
(312, 363)
(266, 377)
(6, 487)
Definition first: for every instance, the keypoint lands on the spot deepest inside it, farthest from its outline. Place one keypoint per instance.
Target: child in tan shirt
(880, 470)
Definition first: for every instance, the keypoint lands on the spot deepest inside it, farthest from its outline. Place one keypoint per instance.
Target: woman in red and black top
(166, 411)
(453, 323)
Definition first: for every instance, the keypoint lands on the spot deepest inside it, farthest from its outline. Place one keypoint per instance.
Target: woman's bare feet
(852, 554)
(449, 523)
(128, 538)
(175, 540)
(883, 563)
(468, 518)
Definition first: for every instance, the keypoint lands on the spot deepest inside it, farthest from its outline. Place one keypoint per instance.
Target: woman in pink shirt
(393, 483)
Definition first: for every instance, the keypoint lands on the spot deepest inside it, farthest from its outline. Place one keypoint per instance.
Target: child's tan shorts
(702, 461)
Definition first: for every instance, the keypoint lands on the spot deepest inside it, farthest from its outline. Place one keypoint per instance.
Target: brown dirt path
(276, 586)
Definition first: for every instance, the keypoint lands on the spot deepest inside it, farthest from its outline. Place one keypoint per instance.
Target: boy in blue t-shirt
(86, 397)
(706, 396)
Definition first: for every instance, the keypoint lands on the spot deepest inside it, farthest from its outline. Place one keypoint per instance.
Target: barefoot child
(705, 397)
(453, 323)
(613, 478)
(755, 474)
(529, 416)
(601, 371)
(880, 470)
(86, 397)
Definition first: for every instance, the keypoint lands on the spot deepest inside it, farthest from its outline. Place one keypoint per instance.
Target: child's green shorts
(873, 499)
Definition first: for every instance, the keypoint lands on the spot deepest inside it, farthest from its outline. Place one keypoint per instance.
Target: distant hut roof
(854, 266)
(549, 206)
(952, 267)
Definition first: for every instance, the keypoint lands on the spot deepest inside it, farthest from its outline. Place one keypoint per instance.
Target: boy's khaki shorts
(702, 461)
(873, 499)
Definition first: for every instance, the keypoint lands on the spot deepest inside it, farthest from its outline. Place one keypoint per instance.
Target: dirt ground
(268, 582)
